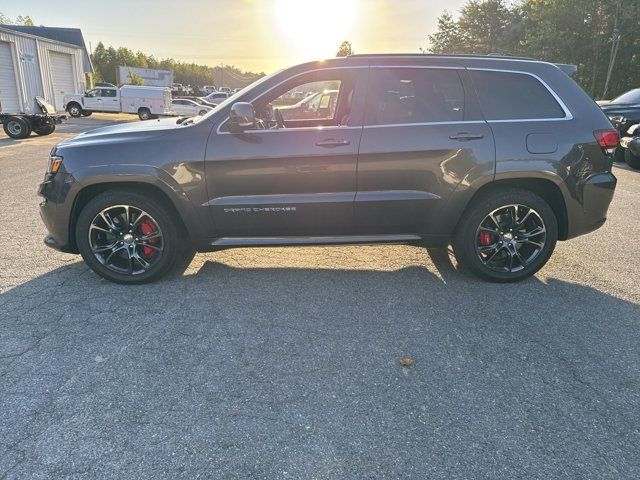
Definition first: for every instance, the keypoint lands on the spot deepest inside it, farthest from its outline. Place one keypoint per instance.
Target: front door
(288, 177)
(423, 136)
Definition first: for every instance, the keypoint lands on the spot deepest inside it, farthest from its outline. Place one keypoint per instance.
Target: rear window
(514, 96)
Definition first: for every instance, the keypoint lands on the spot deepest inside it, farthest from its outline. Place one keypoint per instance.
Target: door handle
(331, 143)
(465, 137)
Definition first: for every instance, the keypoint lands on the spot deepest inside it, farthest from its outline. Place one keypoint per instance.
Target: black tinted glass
(514, 96)
(414, 95)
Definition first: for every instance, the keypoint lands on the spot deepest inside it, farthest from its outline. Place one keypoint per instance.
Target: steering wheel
(279, 118)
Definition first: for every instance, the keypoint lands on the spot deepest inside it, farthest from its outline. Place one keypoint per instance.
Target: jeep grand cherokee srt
(499, 157)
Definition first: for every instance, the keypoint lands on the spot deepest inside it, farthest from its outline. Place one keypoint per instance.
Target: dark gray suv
(499, 157)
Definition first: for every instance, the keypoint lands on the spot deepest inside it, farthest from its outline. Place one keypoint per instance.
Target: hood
(131, 131)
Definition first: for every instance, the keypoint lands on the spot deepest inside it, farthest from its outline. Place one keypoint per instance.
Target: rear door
(423, 136)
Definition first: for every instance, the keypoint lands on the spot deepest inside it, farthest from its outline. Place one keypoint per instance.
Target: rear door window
(414, 95)
(514, 96)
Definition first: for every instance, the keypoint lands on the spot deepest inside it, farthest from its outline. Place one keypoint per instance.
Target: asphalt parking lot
(285, 363)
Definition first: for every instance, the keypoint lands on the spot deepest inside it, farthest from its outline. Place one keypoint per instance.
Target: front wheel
(130, 238)
(74, 110)
(507, 235)
(632, 160)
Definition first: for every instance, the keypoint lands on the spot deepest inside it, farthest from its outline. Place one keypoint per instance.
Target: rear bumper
(597, 193)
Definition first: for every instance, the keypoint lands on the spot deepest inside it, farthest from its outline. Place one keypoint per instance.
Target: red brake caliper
(147, 227)
(485, 239)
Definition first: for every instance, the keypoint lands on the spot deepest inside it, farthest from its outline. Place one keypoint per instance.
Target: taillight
(607, 138)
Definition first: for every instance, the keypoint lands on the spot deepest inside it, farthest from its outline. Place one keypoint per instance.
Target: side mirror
(241, 117)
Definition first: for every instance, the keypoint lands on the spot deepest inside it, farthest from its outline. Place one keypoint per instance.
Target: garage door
(62, 73)
(8, 88)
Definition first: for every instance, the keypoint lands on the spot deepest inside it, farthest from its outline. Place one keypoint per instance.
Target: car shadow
(299, 367)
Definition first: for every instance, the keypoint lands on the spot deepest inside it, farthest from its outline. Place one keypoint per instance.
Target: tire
(45, 130)
(17, 127)
(74, 109)
(121, 266)
(632, 160)
(508, 252)
(144, 114)
(86, 113)
(202, 112)
(618, 154)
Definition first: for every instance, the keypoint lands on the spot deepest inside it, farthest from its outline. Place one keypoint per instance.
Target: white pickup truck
(147, 102)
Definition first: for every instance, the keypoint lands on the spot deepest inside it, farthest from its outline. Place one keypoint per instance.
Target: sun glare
(316, 27)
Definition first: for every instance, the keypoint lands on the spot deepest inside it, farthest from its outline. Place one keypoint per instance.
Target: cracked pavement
(283, 363)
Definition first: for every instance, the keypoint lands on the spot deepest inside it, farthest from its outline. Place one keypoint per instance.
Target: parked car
(198, 100)
(497, 156)
(623, 111)
(182, 106)
(316, 105)
(630, 146)
(147, 102)
(216, 97)
(208, 89)
(225, 90)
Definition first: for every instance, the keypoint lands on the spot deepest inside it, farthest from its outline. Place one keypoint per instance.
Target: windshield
(233, 98)
(632, 96)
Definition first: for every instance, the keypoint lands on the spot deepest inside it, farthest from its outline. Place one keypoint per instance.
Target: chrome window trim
(565, 109)
(426, 124)
(567, 113)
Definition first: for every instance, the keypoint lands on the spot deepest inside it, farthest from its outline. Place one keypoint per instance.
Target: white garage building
(33, 65)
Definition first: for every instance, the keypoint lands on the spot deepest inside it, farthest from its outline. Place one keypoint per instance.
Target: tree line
(106, 61)
(585, 33)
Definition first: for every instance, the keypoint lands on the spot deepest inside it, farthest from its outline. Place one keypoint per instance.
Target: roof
(71, 36)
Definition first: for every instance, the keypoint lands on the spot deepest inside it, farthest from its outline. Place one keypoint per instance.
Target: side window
(414, 95)
(320, 98)
(93, 93)
(107, 92)
(312, 106)
(514, 96)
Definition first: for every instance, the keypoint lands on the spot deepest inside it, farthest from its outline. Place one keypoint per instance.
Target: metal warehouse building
(40, 61)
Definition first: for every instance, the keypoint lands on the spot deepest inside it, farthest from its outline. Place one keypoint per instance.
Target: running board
(324, 240)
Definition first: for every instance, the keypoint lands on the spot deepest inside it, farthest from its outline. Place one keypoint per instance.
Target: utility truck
(147, 102)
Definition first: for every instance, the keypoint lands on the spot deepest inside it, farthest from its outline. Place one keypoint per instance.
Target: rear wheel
(507, 235)
(144, 114)
(45, 129)
(202, 112)
(17, 127)
(130, 238)
(632, 160)
(74, 109)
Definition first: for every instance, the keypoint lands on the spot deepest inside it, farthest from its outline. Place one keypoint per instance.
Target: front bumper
(55, 210)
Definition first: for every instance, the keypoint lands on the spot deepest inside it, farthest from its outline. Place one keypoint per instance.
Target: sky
(254, 35)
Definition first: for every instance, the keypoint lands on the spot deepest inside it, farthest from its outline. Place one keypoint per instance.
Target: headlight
(54, 164)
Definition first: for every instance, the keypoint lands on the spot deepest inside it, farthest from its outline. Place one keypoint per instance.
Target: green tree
(446, 39)
(345, 49)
